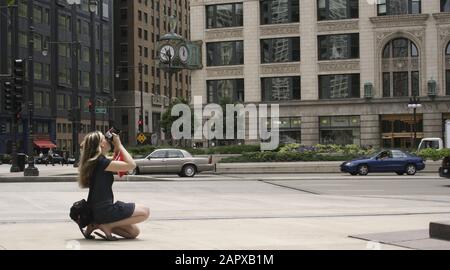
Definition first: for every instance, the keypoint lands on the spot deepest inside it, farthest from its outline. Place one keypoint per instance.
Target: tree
(167, 119)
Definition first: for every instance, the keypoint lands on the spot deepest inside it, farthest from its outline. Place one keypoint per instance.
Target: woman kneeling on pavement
(96, 173)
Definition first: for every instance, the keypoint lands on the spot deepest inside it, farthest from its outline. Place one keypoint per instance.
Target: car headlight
(348, 164)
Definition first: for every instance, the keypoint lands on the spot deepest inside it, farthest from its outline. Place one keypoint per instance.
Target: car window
(158, 154)
(398, 154)
(175, 154)
(186, 154)
(384, 155)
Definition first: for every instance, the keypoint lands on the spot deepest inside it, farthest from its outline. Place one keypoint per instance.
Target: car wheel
(400, 173)
(135, 171)
(363, 170)
(411, 169)
(188, 171)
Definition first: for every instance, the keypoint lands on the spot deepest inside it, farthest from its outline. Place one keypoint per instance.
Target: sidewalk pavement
(60, 173)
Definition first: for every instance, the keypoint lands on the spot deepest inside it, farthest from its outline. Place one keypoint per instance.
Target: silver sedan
(176, 161)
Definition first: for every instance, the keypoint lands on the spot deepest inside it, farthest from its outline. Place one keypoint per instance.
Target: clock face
(184, 54)
(166, 53)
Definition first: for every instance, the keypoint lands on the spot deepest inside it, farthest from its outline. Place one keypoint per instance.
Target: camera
(109, 136)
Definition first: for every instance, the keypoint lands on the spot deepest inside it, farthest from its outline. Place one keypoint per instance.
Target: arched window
(400, 68)
(447, 69)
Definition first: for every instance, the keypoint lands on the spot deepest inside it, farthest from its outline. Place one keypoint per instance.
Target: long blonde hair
(90, 151)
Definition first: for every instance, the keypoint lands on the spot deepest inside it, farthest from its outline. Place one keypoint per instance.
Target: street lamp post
(31, 170)
(414, 103)
(93, 5)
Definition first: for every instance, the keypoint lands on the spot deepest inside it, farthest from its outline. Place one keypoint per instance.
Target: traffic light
(90, 106)
(8, 96)
(141, 124)
(19, 84)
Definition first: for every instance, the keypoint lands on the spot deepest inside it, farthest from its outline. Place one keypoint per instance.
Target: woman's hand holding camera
(116, 141)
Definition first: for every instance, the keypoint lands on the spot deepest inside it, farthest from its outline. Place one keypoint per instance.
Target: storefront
(398, 130)
(341, 130)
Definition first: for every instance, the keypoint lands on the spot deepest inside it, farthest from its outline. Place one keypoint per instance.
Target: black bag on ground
(81, 213)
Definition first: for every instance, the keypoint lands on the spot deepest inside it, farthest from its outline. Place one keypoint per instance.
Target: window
(37, 14)
(175, 154)
(341, 130)
(219, 16)
(37, 71)
(339, 86)
(401, 77)
(60, 102)
(445, 5)
(280, 50)
(400, 84)
(159, 154)
(279, 11)
(290, 129)
(64, 76)
(400, 47)
(46, 74)
(232, 90)
(38, 100)
(85, 54)
(398, 7)
(84, 79)
(337, 9)
(64, 22)
(332, 47)
(225, 53)
(280, 88)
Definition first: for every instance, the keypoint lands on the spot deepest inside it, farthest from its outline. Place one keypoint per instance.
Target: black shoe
(87, 237)
(110, 238)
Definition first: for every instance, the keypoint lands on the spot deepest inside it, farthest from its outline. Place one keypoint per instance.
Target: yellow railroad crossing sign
(141, 138)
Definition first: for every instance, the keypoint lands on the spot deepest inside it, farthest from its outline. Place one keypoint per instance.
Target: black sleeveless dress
(101, 197)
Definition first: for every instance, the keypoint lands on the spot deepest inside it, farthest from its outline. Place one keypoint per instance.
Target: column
(370, 130)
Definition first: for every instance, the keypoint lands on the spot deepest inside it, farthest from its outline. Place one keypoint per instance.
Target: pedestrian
(96, 173)
(66, 157)
(50, 157)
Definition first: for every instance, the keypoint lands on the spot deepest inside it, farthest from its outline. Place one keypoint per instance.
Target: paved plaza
(267, 211)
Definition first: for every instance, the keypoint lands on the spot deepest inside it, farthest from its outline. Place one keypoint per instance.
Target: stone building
(342, 71)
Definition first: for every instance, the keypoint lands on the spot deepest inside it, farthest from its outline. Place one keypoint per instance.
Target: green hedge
(287, 157)
(232, 149)
(433, 154)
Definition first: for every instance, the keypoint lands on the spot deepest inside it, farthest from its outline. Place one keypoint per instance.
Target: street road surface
(280, 211)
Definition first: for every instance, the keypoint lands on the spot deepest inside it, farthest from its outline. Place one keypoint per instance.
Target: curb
(73, 179)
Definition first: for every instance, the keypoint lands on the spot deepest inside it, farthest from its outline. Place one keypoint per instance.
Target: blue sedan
(385, 161)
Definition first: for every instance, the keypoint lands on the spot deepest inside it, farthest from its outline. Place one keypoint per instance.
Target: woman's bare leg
(140, 214)
(128, 232)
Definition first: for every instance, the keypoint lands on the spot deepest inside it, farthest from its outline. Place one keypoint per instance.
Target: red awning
(44, 144)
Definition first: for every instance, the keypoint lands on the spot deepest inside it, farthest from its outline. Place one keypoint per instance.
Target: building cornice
(224, 71)
(339, 25)
(426, 102)
(442, 18)
(224, 33)
(399, 20)
(280, 29)
(339, 65)
(195, 3)
(280, 68)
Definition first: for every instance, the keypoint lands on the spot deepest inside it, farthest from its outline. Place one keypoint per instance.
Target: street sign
(141, 138)
(100, 110)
